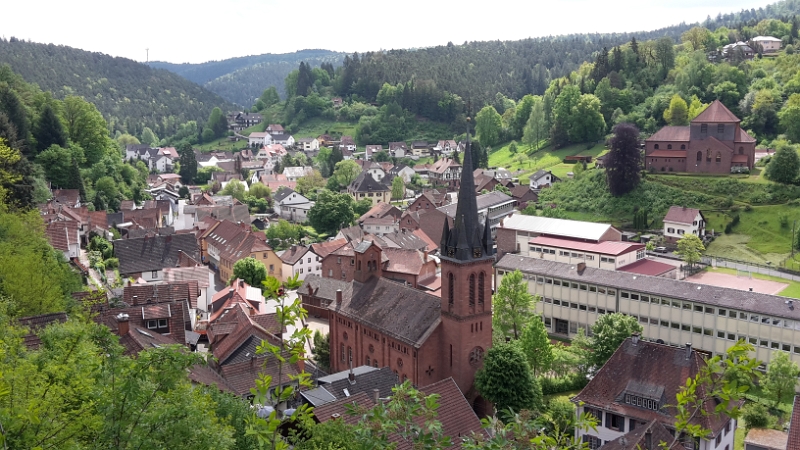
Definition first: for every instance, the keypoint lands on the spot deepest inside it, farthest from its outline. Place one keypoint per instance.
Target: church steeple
(466, 240)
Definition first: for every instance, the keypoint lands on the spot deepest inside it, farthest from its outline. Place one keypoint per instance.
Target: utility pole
(794, 224)
(148, 55)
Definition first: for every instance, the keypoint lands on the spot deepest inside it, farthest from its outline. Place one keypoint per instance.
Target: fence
(779, 272)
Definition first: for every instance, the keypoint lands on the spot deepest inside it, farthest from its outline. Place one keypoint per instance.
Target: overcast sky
(202, 30)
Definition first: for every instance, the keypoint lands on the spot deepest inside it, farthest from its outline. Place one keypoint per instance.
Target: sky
(181, 31)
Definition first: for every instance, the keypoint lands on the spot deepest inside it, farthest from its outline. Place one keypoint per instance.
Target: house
(147, 257)
(323, 249)
(301, 261)
(515, 232)
(446, 147)
(337, 102)
(308, 144)
(342, 385)
(768, 44)
(493, 206)
(646, 436)
(65, 237)
(523, 196)
(295, 173)
(348, 143)
(225, 242)
(285, 139)
(485, 183)
(430, 199)
(325, 140)
(445, 172)
(407, 329)
(155, 159)
(277, 182)
(542, 178)
(365, 187)
(402, 171)
(371, 150)
(382, 210)
(765, 439)
(738, 51)
(793, 442)
(238, 121)
(274, 128)
(398, 149)
(681, 220)
(259, 138)
(420, 148)
(712, 143)
(199, 274)
(638, 385)
(376, 171)
(271, 154)
(70, 198)
(285, 200)
(674, 311)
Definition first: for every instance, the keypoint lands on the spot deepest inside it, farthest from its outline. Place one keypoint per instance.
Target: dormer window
(643, 402)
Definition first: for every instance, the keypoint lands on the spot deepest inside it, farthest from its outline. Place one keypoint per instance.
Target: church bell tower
(467, 255)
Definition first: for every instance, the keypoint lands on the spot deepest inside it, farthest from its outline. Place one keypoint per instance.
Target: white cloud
(202, 30)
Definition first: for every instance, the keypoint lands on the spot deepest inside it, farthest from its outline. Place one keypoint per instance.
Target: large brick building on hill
(713, 143)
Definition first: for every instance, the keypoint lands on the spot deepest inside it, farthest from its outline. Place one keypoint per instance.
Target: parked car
(660, 250)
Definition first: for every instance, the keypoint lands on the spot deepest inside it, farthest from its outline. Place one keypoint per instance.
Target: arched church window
(669, 146)
(741, 150)
(699, 156)
(472, 290)
(481, 277)
(655, 147)
(719, 156)
(451, 282)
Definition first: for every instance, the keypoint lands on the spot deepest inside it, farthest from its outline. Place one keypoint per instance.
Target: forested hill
(241, 80)
(130, 95)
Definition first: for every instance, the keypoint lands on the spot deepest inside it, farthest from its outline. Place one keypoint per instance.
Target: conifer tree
(49, 130)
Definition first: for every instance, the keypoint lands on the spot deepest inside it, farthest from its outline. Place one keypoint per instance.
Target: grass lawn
(566, 395)
(545, 158)
(793, 290)
(316, 126)
(738, 438)
(736, 247)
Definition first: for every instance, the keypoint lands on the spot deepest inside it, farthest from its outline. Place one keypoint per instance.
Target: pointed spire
(466, 241)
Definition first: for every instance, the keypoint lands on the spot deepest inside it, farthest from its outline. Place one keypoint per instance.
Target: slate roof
(401, 312)
(154, 253)
(794, 427)
(724, 297)
(282, 194)
(365, 183)
(637, 439)
(293, 254)
(325, 288)
(483, 201)
(648, 364)
(280, 137)
(382, 379)
(681, 214)
(671, 133)
(716, 113)
(139, 339)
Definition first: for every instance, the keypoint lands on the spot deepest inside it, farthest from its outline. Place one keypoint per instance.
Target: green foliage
(566, 383)
(535, 343)
(309, 184)
(322, 350)
(87, 128)
(282, 235)
(624, 160)
(362, 206)
(608, 332)
(49, 130)
(332, 212)
(235, 189)
(779, 382)
(398, 189)
(505, 380)
(785, 164)
(488, 126)
(755, 415)
(678, 112)
(346, 171)
(513, 306)
(250, 270)
(690, 248)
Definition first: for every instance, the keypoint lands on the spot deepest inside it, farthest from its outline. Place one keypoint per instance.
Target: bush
(571, 382)
(112, 263)
(755, 415)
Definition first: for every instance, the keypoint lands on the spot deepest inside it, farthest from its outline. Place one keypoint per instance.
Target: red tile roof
(668, 154)
(62, 234)
(338, 409)
(794, 426)
(766, 439)
(323, 249)
(680, 134)
(455, 413)
(716, 113)
(681, 214)
(647, 267)
(606, 247)
(742, 136)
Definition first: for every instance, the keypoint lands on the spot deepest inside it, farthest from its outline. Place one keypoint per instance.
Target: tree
(235, 189)
(346, 171)
(790, 118)
(566, 101)
(310, 183)
(536, 128)
(398, 188)
(678, 112)
(332, 212)
(57, 163)
(488, 126)
(362, 206)
(609, 331)
(188, 162)
(697, 37)
(623, 164)
(87, 128)
(512, 305)
(322, 350)
(505, 380)
(535, 343)
(665, 55)
(690, 248)
(49, 130)
(251, 270)
(781, 377)
(784, 165)
(258, 190)
(149, 137)
(522, 113)
(586, 123)
(217, 122)
(126, 139)
(15, 112)
(283, 234)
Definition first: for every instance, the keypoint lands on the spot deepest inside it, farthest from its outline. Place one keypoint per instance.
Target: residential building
(541, 179)
(301, 261)
(420, 148)
(308, 144)
(346, 384)
(347, 143)
(768, 44)
(712, 143)
(493, 206)
(238, 121)
(681, 220)
(445, 172)
(738, 51)
(65, 237)
(376, 171)
(422, 337)
(371, 150)
(275, 128)
(446, 147)
(147, 257)
(287, 203)
(430, 199)
(523, 196)
(284, 139)
(365, 187)
(638, 385)
(765, 439)
(225, 242)
(402, 171)
(712, 318)
(398, 149)
(259, 138)
(515, 232)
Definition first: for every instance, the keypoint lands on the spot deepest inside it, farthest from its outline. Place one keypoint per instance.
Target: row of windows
(699, 308)
(567, 284)
(543, 250)
(642, 402)
(578, 306)
(672, 230)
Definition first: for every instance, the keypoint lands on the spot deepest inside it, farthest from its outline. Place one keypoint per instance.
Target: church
(712, 143)
(421, 337)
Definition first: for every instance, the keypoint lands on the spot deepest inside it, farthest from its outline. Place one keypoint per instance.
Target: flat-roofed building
(515, 232)
(675, 312)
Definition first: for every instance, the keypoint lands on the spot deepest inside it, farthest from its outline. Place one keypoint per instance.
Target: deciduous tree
(86, 128)
(488, 126)
(505, 380)
(690, 248)
(322, 350)
(513, 306)
(332, 212)
(781, 377)
(346, 171)
(678, 112)
(784, 165)
(398, 188)
(536, 128)
(235, 189)
(623, 164)
(535, 343)
(251, 270)
(608, 332)
(309, 184)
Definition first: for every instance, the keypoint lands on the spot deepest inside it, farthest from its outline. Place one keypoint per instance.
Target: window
(352, 261)
(719, 157)
(481, 277)
(670, 230)
(683, 147)
(669, 146)
(450, 289)
(330, 273)
(655, 147)
(699, 156)
(722, 312)
(341, 352)
(592, 442)
(720, 130)
(704, 128)
(741, 150)
(615, 422)
(154, 274)
(472, 290)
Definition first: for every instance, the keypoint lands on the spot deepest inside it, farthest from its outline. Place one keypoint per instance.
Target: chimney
(301, 362)
(425, 255)
(581, 267)
(688, 350)
(122, 324)
(376, 395)
(635, 338)
(751, 289)
(338, 296)
(351, 376)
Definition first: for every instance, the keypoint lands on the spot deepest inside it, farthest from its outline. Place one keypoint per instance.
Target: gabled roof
(556, 227)
(323, 249)
(716, 113)
(638, 439)
(455, 413)
(406, 261)
(794, 427)
(365, 183)
(154, 253)
(282, 194)
(139, 339)
(152, 293)
(671, 133)
(647, 366)
(764, 438)
(280, 136)
(62, 235)
(395, 309)
(397, 145)
(407, 240)
(682, 215)
(325, 288)
(36, 324)
(380, 211)
(382, 379)
(293, 254)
